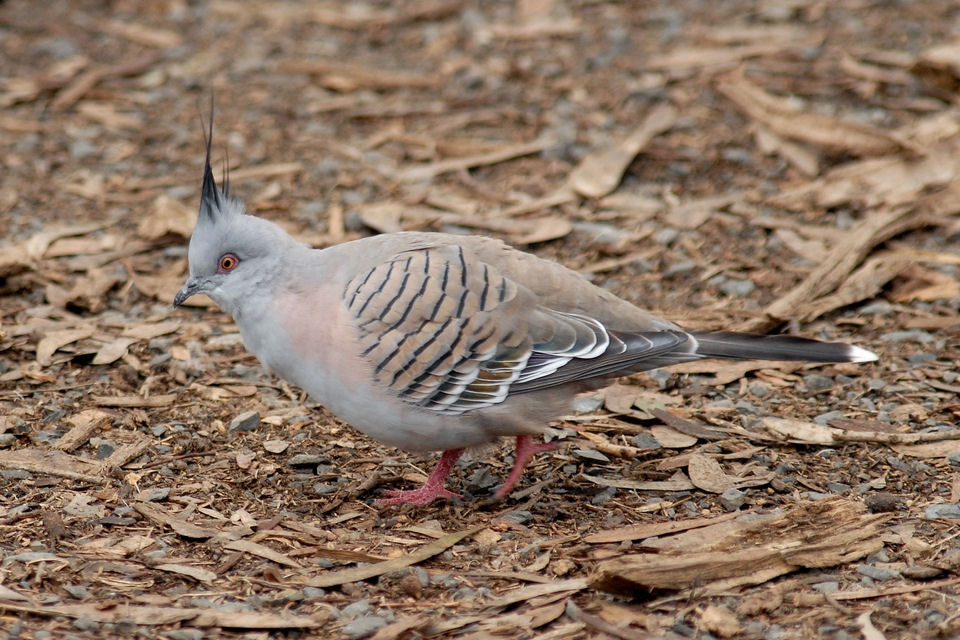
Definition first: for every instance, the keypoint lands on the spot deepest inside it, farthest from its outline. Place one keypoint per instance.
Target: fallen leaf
(707, 474)
(55, 340)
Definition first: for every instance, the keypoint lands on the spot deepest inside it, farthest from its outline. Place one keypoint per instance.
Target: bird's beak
(192, 286)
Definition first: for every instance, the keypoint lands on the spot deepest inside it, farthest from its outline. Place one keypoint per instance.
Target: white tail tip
(856, 354)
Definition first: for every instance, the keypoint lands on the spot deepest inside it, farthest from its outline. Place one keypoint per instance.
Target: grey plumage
(435, 341)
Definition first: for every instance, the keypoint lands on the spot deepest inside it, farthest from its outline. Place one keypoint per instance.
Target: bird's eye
(228, 262)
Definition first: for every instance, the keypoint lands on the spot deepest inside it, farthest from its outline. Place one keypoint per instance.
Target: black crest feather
(210, 196)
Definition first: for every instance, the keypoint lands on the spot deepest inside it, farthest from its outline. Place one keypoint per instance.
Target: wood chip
(355, 574)
(157, 615)
(643, 531)
(53, 463)
(85, 424)
(599, 173)
(256, 549)
(197, 573)
(426, 172)
(707, 474)
(749, 551)
(181, 527)
(135, 401)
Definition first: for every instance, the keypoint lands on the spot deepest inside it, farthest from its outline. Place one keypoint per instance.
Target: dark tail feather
(727, 344)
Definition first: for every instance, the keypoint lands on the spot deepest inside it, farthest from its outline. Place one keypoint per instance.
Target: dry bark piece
(85, 424)
(256, 549)
(783, 117)
(600, 172)
(356, 574)
(720, 621)
(168, 216)
(159, 615)
(181, 527)
(642, 531)
(829, 275)
(54, 463)
(707, 474)
(345, 76)
(432, 170)
(748, 550)
(805, 432)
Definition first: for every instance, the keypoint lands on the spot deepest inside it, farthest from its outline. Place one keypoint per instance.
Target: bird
(439, 342)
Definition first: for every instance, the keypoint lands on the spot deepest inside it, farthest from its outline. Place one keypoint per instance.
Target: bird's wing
(447, 332)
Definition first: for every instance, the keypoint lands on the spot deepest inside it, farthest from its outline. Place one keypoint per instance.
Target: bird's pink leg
(526, 449)
(431, 489)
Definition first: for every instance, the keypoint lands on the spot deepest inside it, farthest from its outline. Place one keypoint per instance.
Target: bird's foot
(424, 495)
(526, 448)
(431, 489)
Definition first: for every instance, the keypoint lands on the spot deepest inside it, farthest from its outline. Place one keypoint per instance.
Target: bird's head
(232, 254)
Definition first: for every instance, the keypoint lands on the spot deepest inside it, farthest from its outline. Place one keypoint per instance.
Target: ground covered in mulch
(773, 166)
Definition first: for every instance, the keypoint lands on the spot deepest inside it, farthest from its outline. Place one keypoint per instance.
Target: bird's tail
(728, 344)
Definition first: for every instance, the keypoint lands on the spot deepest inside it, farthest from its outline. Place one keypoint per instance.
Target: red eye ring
(228, 262)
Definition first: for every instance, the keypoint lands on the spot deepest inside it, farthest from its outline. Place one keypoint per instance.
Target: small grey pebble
(42, 634)
(77, 591)
(156, 495)
(738, 288)
(920, 572)
(185, 634)
(355, 609)
(954, 459)
(520, 516)
(877, 573)
(645, 441)
(922, 357)
(464, 593)
(666, 235)
(828, 586)
(313, 592)
(679, 268)
(307, 460)
(950, 376)
(590, 455)
(754, 628)
(825, 418)
(722, 403)
(911, 335)
(745, 406)
(7, 439)
(759, 389)
(875, 384)
(817, 383)
(838, 487)
(933, 616)
(604, 496)
(732, 499)
(324, 488)
(159, 430)
(898, 464)
(363, 627)
(246, 421)
(942, 511)
(422, 576)
(483, 478)
(816, 495)
(15, 474)
(662, 376)
(85, 624)
(587, 404)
